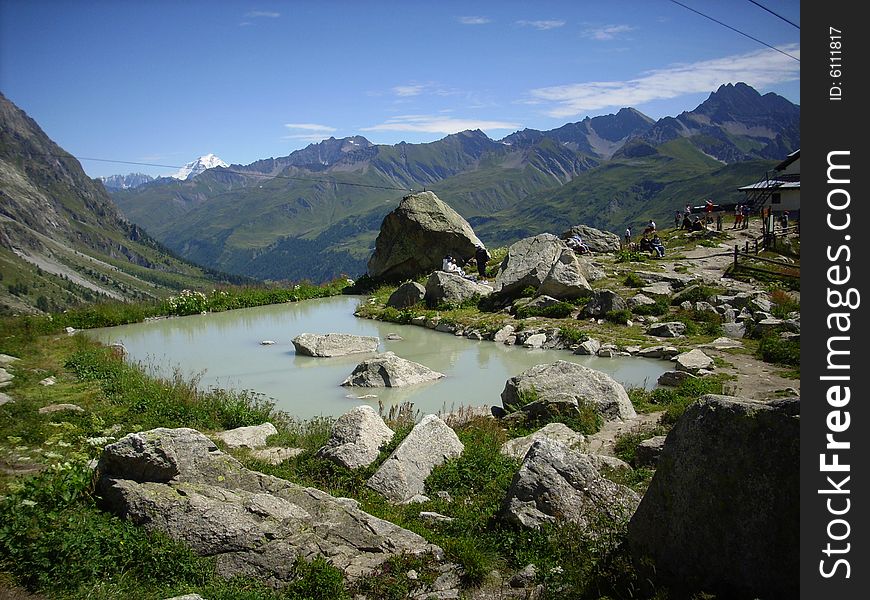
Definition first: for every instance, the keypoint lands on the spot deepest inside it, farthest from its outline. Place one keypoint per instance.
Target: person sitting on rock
(449, 265)
(658, 246)
(576, 243)
(645, 243)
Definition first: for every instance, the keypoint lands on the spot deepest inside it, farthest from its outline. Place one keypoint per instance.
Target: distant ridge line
(231, 171)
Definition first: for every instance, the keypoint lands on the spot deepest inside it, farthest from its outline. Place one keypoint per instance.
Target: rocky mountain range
(125, 182)
(62, 239)
(315, 213)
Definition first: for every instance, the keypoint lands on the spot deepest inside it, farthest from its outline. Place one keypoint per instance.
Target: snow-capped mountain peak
(194, 168)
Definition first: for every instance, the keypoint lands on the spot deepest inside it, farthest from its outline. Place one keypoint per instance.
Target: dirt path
(604, 440)
(755, 378)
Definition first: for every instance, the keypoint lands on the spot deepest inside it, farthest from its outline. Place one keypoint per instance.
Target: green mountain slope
(62, 240)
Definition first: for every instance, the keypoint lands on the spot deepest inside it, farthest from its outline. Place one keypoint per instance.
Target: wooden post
(746, 248)
(736, 253)
(756, 245)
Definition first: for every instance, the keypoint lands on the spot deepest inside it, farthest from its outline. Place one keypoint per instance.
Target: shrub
(572, 335)
(783, 303)
(661, 307)
(631, 256)
(634, 280)
(618, 316)
(774, 349)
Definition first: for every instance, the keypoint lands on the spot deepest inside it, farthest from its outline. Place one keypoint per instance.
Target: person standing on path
(746, 212)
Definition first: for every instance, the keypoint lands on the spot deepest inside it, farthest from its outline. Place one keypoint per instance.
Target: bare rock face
(450, 288)
(356, 438)
(556, 483)
(406, 295)
(568, 277)
(178, 482)
(403, 475)
(596, 239)
(253, 436)
(416, 236)
(670, 329)
(568, 383)
(693, 361)
(527, 264)
(722, 512)
(389, 370)
(518, 447)
(334, 344)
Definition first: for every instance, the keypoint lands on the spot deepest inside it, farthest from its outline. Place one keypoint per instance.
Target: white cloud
(759, 69)
(309, 127)
(473, 20)
(608, 32)
(267, 14)
(542, 25)
(438, 124)
(409, 90)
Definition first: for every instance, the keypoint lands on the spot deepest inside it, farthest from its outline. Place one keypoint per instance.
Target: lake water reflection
(224, 350)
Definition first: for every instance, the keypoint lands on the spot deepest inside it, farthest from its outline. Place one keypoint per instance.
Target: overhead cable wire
(234, 172)
(759, 5)
(743, 33)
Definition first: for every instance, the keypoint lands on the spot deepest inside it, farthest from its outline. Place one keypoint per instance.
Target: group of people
(481, 257)
(649, 241)
(741, 216)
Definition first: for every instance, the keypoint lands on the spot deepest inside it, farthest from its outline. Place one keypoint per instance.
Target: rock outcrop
(252, 436)
(722, 512)
(558, 432)
(567, 385)
(556, 483)
(416, 236)
(402, 477)
(255, 525)
(597, 240)
(389, 370)
(356, 438)
(450, 288)
(334, 344)
(527, 264)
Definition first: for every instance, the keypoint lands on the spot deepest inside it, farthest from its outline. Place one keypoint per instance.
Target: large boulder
(567, 278)
(722, 513)
(557, 484)
(597, 240)
(356, 438)
(253, 525)
(402, 477)
(389, 370)
(450, 288)
(567, 385)
(416, 236)
(334, 344)
(406, 295)
(527, 264)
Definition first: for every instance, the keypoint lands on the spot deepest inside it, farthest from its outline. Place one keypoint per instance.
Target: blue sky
(166, 81)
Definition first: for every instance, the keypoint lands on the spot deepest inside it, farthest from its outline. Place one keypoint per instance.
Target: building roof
(788, 160)
(771, 184)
